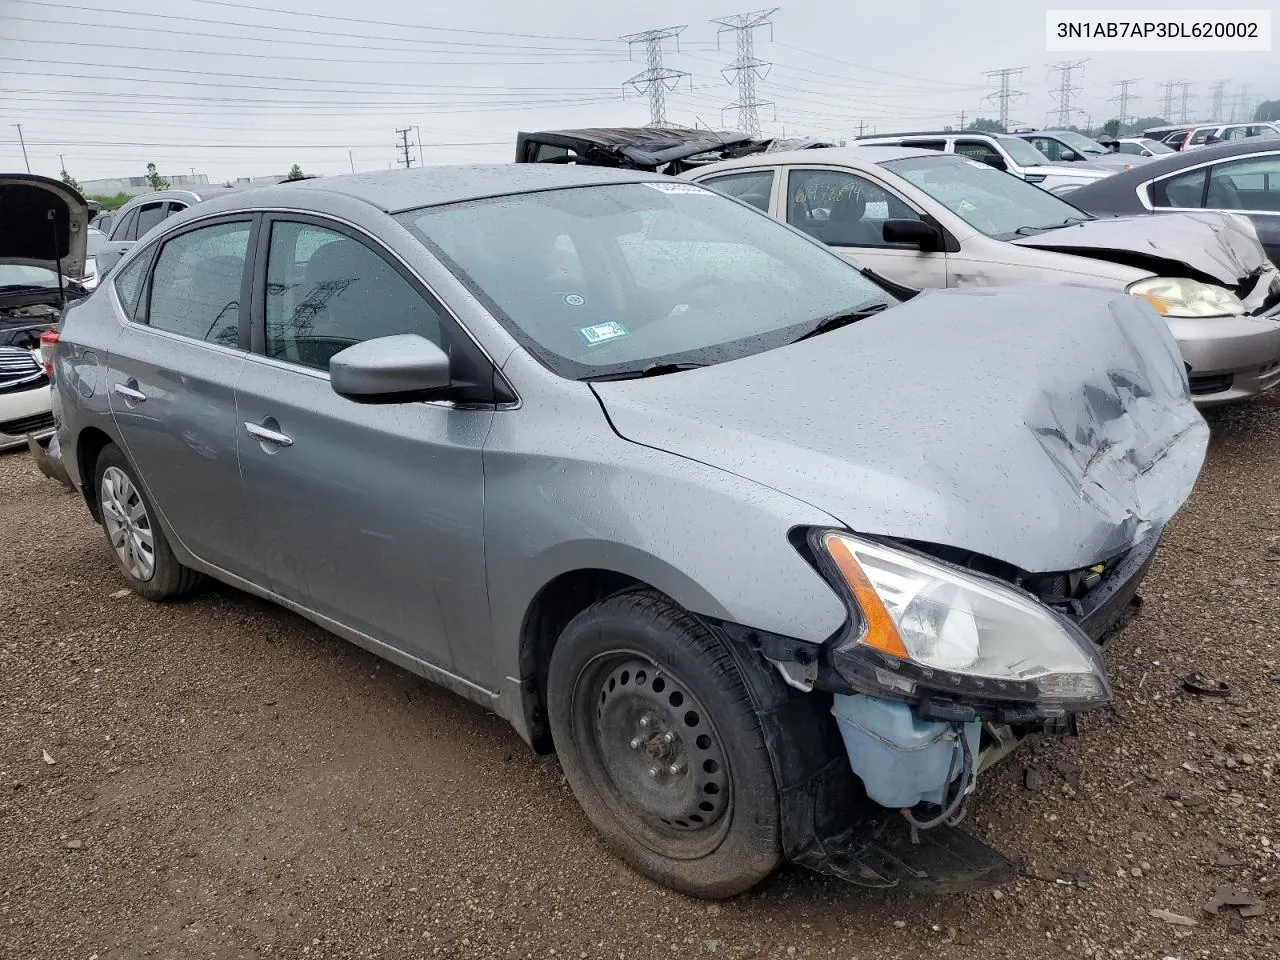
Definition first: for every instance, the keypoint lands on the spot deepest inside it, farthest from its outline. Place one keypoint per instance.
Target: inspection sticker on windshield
(602, 332)
(675, 187)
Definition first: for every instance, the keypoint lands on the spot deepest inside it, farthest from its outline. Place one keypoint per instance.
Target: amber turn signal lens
(881, 632)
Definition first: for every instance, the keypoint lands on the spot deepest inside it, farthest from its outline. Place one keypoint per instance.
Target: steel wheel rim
(674, 790)
(124, 514)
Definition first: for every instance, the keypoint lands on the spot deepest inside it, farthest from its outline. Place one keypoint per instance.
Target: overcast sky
(229, 88)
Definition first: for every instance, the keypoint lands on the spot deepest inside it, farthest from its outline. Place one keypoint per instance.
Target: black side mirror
(917, 233)
(1071, 155)
(396, 369)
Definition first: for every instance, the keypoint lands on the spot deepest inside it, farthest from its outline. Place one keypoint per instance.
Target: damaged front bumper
(876, 796)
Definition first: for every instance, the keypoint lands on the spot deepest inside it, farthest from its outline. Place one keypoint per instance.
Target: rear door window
(981, 151)
(1249, 184)
(195, 286)
(127, 228)
(149, 215)
(753, 186)
(1180, 190)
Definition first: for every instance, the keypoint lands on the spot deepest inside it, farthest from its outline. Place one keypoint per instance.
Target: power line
(656, 80)
(403, 146)
(746, 69)
(1168, 86)
(1124, 98)
(1065, 90)
(1006, 93)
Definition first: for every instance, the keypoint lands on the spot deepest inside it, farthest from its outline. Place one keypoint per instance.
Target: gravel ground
(219, 778)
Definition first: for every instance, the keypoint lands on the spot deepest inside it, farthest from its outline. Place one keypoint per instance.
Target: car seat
(845, 226)
(1223, 194)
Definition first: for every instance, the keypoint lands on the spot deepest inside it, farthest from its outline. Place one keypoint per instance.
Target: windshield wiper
(652, 370)
(835, 321)
(1068, 222)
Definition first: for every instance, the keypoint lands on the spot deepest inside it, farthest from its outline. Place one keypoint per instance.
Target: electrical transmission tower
(1186, 86)
(1240, 109)
(1006, 94)
(1168, 86)
(1124, 98)
(656, 80)
(1217, 94)
(1065, 89)
(403, 146)
(746, 69)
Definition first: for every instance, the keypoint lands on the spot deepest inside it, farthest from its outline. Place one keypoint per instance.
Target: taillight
(48, 345)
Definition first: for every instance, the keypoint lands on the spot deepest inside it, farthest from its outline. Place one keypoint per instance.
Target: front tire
(137, 542)
(659, 740)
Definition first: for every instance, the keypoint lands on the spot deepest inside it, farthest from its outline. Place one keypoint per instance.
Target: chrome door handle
(137, 396)
(268, 436)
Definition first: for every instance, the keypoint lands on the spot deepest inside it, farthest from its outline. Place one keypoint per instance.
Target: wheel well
(89, 445)
(550, 612)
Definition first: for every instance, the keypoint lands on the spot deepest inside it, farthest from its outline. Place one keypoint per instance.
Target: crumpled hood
(1048, 428)
(1224, 248)
(41, 221)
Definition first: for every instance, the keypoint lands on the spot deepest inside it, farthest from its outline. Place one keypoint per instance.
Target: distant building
(135, 186)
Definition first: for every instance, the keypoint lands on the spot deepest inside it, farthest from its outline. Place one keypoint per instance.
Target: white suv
(1009, 153)
(1230, 133)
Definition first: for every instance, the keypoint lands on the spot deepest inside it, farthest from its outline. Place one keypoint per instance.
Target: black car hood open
(1050, 428)
(1219, 248)
(42, 222)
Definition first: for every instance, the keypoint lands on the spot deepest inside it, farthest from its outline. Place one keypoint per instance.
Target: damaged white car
(43, 231)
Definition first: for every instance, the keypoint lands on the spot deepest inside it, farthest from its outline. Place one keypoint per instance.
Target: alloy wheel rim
(128, 524)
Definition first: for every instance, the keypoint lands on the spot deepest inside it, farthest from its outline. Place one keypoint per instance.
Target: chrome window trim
(1143, 189)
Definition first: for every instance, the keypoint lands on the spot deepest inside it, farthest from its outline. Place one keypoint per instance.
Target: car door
(847, 211)
(369, 515)
(171, 376)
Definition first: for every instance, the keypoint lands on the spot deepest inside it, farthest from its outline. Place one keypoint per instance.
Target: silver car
(929, 220)
(764, 556)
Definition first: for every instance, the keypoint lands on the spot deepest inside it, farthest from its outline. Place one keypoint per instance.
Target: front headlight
(1179, 297)
(930, 625)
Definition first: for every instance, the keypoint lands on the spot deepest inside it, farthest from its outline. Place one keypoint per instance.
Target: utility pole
(656, 79)
(962, 126)
(351, 159)
(1168, 86)
(403, 146)
(1217, 93)
(1006, 94)
(62, 164)
(746, 69)
(417, 133)
(1186, 86)
(1065, 89)
(22, 140)
(1124, 98)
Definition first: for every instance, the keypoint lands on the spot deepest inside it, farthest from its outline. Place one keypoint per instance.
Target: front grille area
(32, 424)
(1203, 386)
(19, 370)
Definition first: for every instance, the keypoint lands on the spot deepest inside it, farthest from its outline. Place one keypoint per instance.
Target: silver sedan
(926, 219)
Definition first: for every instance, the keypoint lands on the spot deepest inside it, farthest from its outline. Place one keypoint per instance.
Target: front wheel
(658, 738)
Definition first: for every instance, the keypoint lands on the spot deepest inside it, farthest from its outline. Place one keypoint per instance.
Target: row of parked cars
(677, 452)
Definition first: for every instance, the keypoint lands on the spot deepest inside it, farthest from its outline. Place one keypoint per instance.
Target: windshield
(13, 275)
(1156, 147)
(997, 203)
(1081, 143)
(612, 279)
(1023, 153)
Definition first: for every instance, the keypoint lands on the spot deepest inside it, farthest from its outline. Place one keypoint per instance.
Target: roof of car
(826, 155)
(931, 133)
(1119, 187)
(617, 136)
(1045, 133)
(394, 191)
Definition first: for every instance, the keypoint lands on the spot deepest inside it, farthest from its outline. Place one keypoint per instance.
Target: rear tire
(659, 740)
(138, 544)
